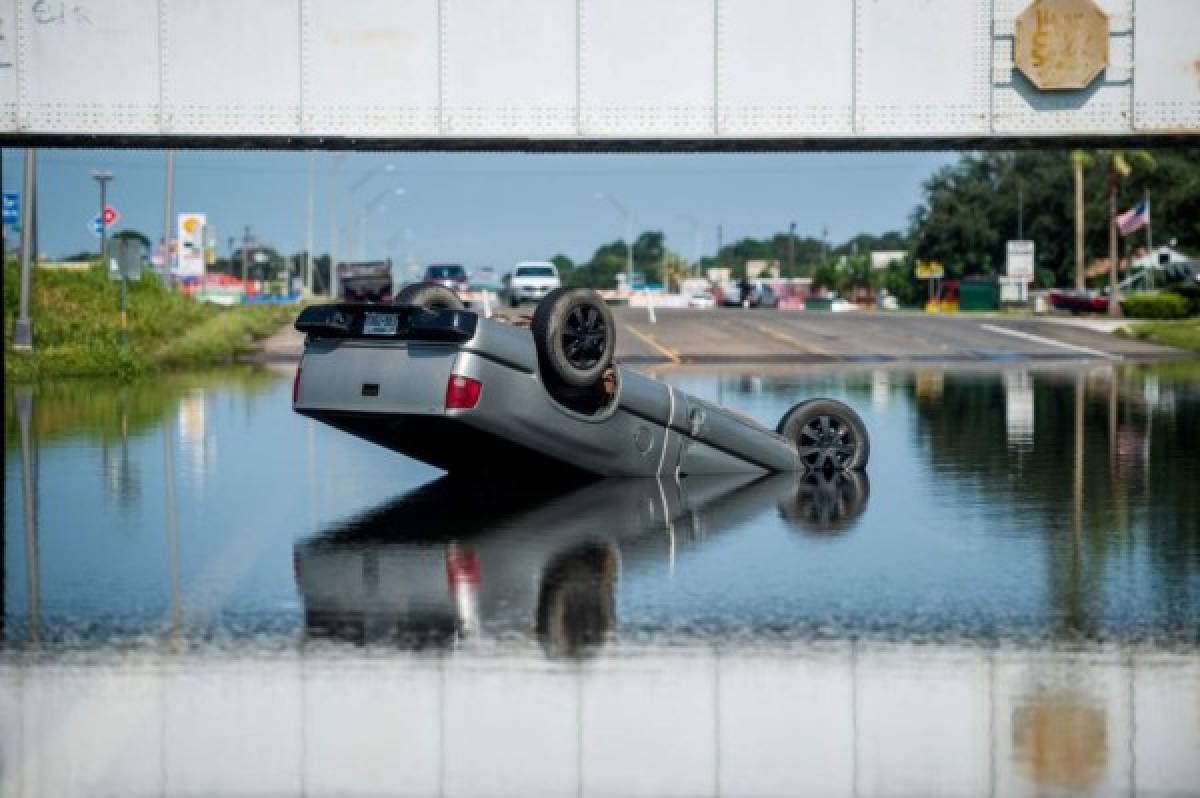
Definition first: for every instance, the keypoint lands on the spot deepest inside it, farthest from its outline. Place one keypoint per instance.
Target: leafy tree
(565, 266)
(971, 208)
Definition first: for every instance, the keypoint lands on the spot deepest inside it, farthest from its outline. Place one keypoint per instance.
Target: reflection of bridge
(591, 73)
(819, 719)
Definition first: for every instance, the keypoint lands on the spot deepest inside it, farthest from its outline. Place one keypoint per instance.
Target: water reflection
(429, 568)
(1009, 606)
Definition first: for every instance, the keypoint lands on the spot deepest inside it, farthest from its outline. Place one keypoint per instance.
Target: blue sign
(12, 207)
(97, 227)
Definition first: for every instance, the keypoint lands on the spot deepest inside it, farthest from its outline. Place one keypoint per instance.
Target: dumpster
(818, 303)
(978, 295)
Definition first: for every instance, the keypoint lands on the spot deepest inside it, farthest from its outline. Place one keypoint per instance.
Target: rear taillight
(296, 386)
(462, 393)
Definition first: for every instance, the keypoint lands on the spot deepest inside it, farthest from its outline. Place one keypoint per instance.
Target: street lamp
(600, 195)
(695, 223)
(362, 219)
(354, 189)
(22, 337)
(103, 176)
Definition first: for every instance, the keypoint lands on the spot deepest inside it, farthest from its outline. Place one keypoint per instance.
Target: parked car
(754, 294)
(464, 393)
(1079, 301)
(531, 281)
(701, 300)
(450, 275)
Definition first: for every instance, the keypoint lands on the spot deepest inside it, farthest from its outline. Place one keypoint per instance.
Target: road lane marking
(649, 341)
(1050, 341)
(788, 339)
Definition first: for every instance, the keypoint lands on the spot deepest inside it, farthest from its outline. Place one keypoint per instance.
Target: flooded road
(205, 593)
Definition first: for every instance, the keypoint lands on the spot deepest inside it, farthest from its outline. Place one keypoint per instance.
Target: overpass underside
(599, 74)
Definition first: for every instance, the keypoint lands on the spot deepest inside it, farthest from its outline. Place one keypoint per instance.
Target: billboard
(189, 232)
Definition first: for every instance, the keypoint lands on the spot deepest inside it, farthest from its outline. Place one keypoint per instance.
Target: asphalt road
(766, 336)
(737, 336)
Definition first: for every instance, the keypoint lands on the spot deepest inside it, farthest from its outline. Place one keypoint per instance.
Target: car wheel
(429, 295)
(827, 434)
(826, 503)
(575, 337)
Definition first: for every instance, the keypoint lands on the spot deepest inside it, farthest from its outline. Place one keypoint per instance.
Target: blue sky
(484, 209)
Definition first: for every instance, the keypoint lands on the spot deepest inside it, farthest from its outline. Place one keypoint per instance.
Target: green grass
(1182, 333)
(76, 327)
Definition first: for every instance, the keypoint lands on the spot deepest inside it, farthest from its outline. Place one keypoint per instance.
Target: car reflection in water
(428, 570)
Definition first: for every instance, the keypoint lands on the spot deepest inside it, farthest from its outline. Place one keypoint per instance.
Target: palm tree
(1118, 168)
(1079, 159)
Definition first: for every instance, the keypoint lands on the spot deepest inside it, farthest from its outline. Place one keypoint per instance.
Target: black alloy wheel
(584, 337)
(828, 435)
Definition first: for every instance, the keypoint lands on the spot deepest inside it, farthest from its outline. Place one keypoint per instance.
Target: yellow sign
(1061, 44)
(930, 270)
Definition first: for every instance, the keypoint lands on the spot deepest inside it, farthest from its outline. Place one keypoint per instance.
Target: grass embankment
(1182, 333)
(77, 323)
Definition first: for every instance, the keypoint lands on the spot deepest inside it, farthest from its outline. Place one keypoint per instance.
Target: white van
(531, 280)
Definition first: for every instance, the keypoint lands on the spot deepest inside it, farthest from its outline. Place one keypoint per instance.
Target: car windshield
(445, 273)
(535, 271)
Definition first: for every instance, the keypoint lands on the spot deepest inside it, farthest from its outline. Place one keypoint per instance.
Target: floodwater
(204, 593)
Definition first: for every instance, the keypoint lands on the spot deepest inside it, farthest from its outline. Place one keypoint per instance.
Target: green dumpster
(818, 303)
(978, 295)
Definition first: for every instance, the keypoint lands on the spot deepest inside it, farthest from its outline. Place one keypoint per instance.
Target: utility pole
(1080, 282)
(168, 213)
(1150, 241)
(1114, 290)
(628, 234)
(245, 254)
(1020, 212)
(22, 339)
(791, 250)
(308, 242)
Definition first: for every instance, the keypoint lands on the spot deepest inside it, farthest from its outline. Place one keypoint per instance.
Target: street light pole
(22, 339)
(370, 207)
(628, 234)
(791, 250)
(354, 189)
(103, 176)
(168, 212)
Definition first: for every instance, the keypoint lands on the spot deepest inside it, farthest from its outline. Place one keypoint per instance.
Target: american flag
(1135, 218)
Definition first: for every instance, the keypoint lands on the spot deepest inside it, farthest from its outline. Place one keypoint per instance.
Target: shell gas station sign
(190, 238)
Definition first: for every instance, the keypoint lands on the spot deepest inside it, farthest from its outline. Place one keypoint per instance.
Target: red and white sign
(111, 216)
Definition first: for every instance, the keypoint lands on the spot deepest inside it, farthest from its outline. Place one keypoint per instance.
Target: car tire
(826, 504)
(429, 295)
(575, 337)
(827, 434)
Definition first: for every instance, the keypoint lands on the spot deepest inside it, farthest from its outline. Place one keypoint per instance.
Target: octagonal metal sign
(1062, 44)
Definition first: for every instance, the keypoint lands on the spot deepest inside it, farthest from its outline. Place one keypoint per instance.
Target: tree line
(968, 211)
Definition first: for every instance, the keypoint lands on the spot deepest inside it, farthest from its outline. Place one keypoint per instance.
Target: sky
(480, 209)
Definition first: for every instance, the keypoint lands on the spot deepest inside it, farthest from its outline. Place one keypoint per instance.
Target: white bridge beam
(577, 73)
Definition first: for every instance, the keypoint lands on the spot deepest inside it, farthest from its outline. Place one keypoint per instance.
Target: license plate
(380, 324)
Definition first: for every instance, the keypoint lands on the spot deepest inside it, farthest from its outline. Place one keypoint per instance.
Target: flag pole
(1150, 239)
(1149, 224)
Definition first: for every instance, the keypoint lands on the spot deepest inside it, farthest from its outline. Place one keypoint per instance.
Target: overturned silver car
(442, 384)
